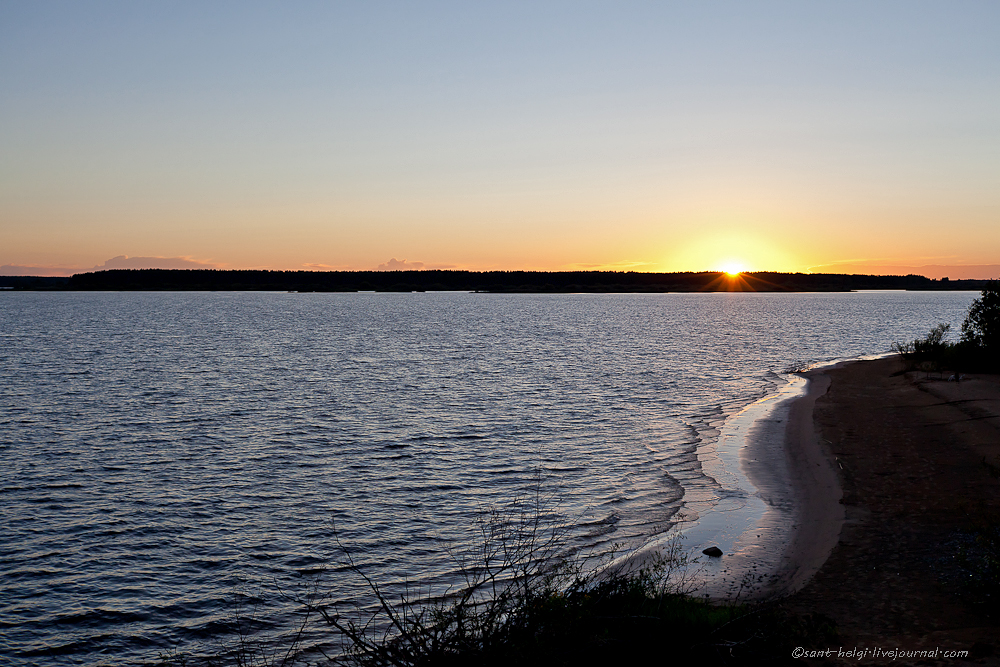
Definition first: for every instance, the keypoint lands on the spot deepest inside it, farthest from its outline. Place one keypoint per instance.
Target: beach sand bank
(795, 474)
(918, 461)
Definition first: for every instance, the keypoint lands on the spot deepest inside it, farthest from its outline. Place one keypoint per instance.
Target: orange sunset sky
(789, 136)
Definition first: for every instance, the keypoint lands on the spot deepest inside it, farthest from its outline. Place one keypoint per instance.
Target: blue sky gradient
(655, 136)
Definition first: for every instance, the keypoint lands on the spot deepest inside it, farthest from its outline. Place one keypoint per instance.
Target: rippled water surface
(160, 450)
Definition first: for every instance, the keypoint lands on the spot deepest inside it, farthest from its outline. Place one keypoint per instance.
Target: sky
(648, 136)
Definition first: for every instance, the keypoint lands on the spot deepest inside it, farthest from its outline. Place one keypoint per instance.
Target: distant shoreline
(537, 282)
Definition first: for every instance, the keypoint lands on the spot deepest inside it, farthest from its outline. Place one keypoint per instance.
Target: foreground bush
(932, 353)
(526, 601)
(981, 329)
(978, 349)
(621, 620)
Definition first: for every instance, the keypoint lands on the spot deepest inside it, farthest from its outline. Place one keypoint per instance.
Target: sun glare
(734, 251)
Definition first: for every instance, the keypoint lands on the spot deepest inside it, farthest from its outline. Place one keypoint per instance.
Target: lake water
(162, 451)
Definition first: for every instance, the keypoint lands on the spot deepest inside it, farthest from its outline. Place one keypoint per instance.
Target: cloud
(316, 266)
(403, 265)
(936, 271)
(126, 262)
(625, 265)
(37, 270)
(119, 262)
(400, 265)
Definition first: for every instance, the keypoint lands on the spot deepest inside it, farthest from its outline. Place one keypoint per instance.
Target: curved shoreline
(779, 455)
(778, 515)
(812, 482)
(751, 520)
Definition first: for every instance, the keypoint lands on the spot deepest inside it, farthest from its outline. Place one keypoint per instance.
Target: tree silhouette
(982, 325)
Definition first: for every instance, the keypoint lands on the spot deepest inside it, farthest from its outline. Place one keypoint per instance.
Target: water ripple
(164, 451)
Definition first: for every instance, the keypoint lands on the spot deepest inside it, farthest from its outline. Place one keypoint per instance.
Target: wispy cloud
(625, 265)
(890, 268)
(37, 270)
(126, 262)
(403, 265)
(400, 265)
(316, 266)
(119, 262)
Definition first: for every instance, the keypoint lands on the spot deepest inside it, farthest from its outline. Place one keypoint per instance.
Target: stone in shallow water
(714, 552)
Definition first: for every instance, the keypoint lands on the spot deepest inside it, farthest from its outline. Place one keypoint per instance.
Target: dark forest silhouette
(477, 281)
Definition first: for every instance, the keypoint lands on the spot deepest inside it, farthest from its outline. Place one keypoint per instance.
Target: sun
(733, 269)
(732, 249)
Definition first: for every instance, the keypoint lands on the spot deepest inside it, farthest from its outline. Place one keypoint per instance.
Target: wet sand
(795, 474)
(789, 518)
(918, 462)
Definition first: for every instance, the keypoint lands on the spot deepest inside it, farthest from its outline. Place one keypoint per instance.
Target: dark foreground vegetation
(477, 281)
(526, 601)
(977, 350)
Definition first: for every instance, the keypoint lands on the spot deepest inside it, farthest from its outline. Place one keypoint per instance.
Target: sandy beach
(892, 475)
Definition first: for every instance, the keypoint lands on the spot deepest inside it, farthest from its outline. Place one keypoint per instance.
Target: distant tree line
(477, 281)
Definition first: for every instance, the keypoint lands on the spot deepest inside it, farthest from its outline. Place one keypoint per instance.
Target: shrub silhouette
(977, 350)
(981, 329)
(527, 600)
(930, 353)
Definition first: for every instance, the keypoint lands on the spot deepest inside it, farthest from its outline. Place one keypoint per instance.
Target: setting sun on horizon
(732, 250)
